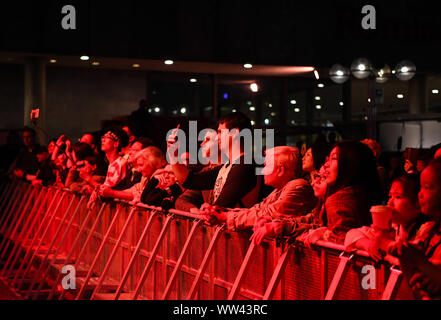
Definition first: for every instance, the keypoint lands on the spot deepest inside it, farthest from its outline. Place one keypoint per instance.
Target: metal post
(277, 275)
(34, 254)
(135, 254)
(11, 236)
(205, 262)
(8, 209)
(60, 245)
(112, 255)
(152, 256)
(98, 253)
(77, 241)
(243, 268)
(49, 249)
(35, 238)
(24, 234)
(180, 261)
(338, 276)
(13, 220)
(391, 284)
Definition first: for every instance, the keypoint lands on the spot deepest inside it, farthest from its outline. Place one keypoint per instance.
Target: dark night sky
(287, 32)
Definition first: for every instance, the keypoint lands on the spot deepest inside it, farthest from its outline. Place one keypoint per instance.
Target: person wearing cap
(111, 144)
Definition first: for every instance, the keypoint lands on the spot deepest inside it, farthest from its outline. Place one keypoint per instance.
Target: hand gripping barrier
(116, 251)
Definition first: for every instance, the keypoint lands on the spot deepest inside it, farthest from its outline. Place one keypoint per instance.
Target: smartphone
(173, 137)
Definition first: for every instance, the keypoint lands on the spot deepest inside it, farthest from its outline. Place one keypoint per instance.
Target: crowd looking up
(324, 192)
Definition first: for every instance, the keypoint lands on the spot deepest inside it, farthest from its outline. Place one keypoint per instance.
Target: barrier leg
(180, 261)
(112, 255)
(392, 284)
(22, 191)
(51, 245)
(75, 243)
(35, 236)
(277, 275)
(23, 235)
(60, 245)
(152, 256)
(243, 269)
(338, 276)
(134, 255)
(40, 243)
(18, 217)
(204, 263)
(98, 253)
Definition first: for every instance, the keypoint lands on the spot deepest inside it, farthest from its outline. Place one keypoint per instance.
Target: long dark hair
(357, 167)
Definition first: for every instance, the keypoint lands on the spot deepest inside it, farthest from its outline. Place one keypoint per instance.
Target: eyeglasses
(110, 135)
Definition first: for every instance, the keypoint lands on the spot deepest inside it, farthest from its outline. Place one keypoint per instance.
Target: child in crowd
(406, 220)
(421, 258)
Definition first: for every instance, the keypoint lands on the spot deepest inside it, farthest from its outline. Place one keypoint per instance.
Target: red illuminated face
(144, 167)
(134, 149)
(271, 172)
(430, 194)
(404, 210)
(308, 162)
(332, 167)
(319, 184)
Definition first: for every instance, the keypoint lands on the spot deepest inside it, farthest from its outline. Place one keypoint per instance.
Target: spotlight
(85, 58)
(405, 70)
(339, 74)
(361, 68)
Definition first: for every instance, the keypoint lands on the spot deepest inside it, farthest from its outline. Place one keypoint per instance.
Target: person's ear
(280, 171)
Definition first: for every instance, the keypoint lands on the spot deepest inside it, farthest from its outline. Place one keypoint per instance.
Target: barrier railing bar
(135, 254)
(6, 197)
(391, 284)
(113, 254)
(11, 204)
(49, 249)
(205, 262)
(243, 269)
(10, 234)
(98, 253)
(152, 256)
(59, 246)
(18, 216)
(76, 242)
(277, 275)
(42, 239)
(180, 261)
(47, 214)
(5, 194)
(339, 274)
(18, 223)
(27, 228)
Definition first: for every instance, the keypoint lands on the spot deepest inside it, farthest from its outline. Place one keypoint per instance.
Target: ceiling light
(193, 80)
(53, 61)
(254, 87)
(95, 63)
(318, 107)
(84, 58)
(435, 91)
(248, 66)
(317, 75)
(400, 96)
(135, 65)
(297, 110)
(321, 85)
(293, 102)
(318, 98)
(168, 62)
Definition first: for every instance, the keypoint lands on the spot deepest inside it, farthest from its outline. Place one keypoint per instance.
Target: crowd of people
(321, 193)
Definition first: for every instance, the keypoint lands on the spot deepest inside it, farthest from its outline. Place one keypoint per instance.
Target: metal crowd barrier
(121, 252)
